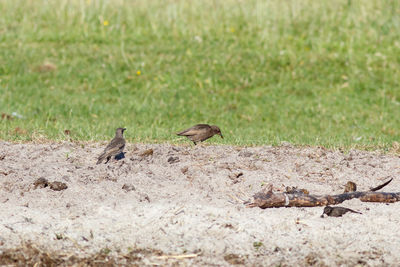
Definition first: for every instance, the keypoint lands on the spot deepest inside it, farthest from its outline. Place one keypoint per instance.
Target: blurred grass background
(307, 72)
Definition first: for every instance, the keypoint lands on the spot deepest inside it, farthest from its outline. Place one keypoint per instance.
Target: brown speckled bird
(115, 147)
(201, 132)
(337, 211)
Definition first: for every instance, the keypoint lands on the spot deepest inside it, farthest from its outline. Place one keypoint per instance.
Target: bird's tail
(182, 133)
(101, 158)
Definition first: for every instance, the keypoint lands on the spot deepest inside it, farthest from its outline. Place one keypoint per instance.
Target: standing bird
(201, 132)
(337, 211)
(115, 147)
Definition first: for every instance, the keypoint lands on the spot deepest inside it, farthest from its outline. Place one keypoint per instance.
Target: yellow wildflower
(138, 72)
(105, 23)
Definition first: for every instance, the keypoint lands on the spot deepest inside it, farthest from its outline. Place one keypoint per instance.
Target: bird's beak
(221, 135)
(124, 129)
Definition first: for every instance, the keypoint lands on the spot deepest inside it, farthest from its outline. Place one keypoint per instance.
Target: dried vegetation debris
(30, 255)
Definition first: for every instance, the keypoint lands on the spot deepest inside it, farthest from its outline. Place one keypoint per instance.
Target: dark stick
(381, 186)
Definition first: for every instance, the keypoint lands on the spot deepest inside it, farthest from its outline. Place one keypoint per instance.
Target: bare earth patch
(168, 204)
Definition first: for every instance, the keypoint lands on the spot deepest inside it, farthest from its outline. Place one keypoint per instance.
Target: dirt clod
(146, 153)
(311, 259)
(185, 169)
(173, 159)
(41, 183)
(58, 186)
(128, 187)
(234, 259)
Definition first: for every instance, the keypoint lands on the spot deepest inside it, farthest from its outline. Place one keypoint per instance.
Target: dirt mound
(168, 204)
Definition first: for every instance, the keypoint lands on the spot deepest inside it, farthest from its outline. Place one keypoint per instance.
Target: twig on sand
(74, 242)
(235, 198)
(381, 186)
(179, 210)
(177, 257)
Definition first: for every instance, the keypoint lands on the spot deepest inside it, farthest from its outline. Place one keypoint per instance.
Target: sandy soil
(189, 200)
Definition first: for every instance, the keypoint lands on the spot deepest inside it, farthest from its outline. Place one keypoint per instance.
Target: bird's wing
(115, 144)
(194, 130)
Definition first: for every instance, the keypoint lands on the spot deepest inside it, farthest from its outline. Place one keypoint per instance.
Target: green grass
(303, 71)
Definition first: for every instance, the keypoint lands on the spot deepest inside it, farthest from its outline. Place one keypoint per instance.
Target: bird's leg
(108, 158)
